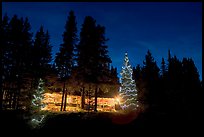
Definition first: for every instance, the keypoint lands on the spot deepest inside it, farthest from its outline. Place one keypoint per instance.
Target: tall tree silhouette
(174, 87)
(150, 71)
(65, 58)
(190, 73)
(163, 85)
(136, 72)
(163, 69)
(25, 60)
(85, 58)
(175, 72)
(86, 49)
(140, 86)
(182, 88)
(103, 62)
(27, 42)
(93, 60)
(41, 53)
(114, 74)
(113, 82)
(190, 87)
(17, 55)
(4, 55)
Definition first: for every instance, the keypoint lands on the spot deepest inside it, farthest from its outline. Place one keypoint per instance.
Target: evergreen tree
(83, 49)
(25, 54)
(103, 57)
(103, 62)
(4, 55)
(128, 91)
(86, 51)
(17, 55)
(93, 60)
(163, 69)
(163, 85)
(114, 75)
(190, 86)
(174, 84)
(41, 53)
(141, 95)
(114, 82)
(65, 59)
(175, 73)
(5, 52)
(137, 72)
(27, 44)
(150, 72)
(190, 73)
(37, 105)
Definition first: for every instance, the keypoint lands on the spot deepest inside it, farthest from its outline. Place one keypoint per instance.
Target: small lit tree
(37, 105)
(127, 92)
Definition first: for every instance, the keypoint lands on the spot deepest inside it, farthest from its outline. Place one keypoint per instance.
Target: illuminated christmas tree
(37, 105)
(127, 92)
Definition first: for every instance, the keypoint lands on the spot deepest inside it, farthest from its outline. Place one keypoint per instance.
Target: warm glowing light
(53, 102)
(117, 100)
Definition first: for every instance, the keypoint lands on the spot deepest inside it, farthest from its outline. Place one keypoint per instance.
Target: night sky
(132, 27)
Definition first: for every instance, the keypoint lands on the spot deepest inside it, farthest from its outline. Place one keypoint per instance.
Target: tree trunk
(14, 100)
(1, 80)
(63, 91)
(1, 93)
(5, 102)
(96, 96)
(65, 101)
(17, 94)
(89, 98)
(17, 99)
(10, 99)
(1, 98)
(82, 98)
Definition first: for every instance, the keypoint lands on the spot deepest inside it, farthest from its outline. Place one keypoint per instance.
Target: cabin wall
(53, 103)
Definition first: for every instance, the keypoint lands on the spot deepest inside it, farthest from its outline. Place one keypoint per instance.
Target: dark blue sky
(132, 27)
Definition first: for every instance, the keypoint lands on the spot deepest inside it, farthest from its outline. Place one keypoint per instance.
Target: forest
(82, 64)
(79, 65)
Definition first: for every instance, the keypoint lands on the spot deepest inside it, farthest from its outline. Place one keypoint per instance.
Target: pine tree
(93, 60)
(41, 53)
(114, 75)
(27, 44)
(138, 77)
(17, 54)
(137, 72)
(190, 85)
(150, 72)
(37, 105)
(4, 55)
(163, 68)
(128, 91)
(87, 49)
(65, 59)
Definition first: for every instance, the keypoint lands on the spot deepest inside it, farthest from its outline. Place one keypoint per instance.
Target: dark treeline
(24, 61)
(174, 88)
(83, 67)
